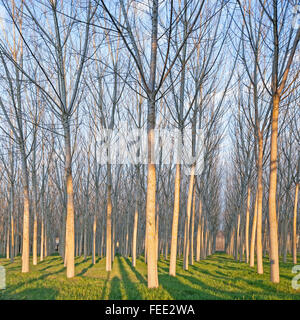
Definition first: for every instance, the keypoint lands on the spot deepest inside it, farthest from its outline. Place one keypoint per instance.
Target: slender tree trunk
(156, 235)
(46, 241)
(295, 225)
(247, 225)
(7, 240)
(198, 249)
(273, 225)
(259, 253)
(192, 229)
(253, 233)
(85, 244)
(12, 242)
(94, 239)
(12, 228)
(237, 243)
(285, 238)
(134, 238)
(151, 232)
(187, 220)
(70, 236)
(151, 179)
(113, 240)
(173, 255)
(25, 243)
(108, 220)
(42, 240)
(202, 238)
(34, 244)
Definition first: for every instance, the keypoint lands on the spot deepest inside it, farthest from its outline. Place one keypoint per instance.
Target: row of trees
(267, 109)
(71, 72)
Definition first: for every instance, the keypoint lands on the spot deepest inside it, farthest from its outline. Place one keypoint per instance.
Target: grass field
(217, 277)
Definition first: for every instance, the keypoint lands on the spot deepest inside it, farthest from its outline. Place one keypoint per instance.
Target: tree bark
(247, 225)
(134, 238)
(70, 236)
(253, 233)
(173, 255)
(259, 253)
(187, 220)
(273, 225)
(295, 225)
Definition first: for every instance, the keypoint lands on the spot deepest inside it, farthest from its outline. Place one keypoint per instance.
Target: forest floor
(217, 277)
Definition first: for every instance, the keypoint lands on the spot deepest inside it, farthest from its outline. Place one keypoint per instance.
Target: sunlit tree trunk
(253, 233)
(108, 219)
(198, 249)
(12, 242)
(247, 225)
(35, 222)
(173, 255)
(151, 179)
(273, 224)
(42, 240)
(237, 243)
(7, 240)
(259, 253)
(151, 232)
(94, 239)
(25, 242)
(187, 219)
(134, 237)
(156, 235)
(70, 235)
(192, 229)
(295, 225)
(34, 244)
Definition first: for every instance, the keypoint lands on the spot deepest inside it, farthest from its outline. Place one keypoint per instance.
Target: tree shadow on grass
(51, 266)
(180, 291)
(84, 270)
(115, 289)
(130, 287)
(105, 286)
(258, 290)
(98, 259)
(80, 262)
(10, 291)
(137, 274)
(35, 294)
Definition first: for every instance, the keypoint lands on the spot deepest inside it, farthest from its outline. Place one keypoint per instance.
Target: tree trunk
(237, 243)
(259, 253)
(295, 225)
(34, 244)
(70, 237)
(247, 225)
(172, 269)
(134, 238)
(273, 225)
(42, 240)
(151, 233)
(108, 219)
(94, 239)
(25, 243)
(253, 233)
(198, 249)
(192, 230)
(187, 220)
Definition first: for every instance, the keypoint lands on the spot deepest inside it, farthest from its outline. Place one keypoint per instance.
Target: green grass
(217, 277)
